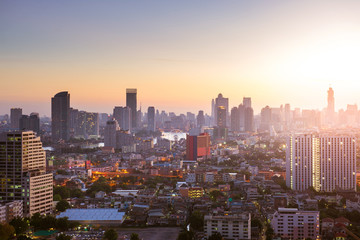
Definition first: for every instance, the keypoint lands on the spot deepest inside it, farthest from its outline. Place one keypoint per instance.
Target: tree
(63, 237)
(62, 224)
(185, 236)
(269, 233)
(322, 203)
(215, 194)
(36, 221)
(57, 197)
(62, 191)
(215, 236)
(255, 222)
(20, 225)
(62, 205)
(134, 236)
(23, 237)
(6, 231)
(110, 234)
(196, 220)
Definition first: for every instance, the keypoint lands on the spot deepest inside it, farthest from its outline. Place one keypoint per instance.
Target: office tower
(233, 226)
(30, 123)
(265, 118)
(23, 172)
(323, 162)
(291, 223)
(110, 133)
(220, 101)
(60, 116)
(197, 146)
(249, 119)
(241, 110)
(15, 115)
(235, 120)
(331, 106)
(92, 124)
(131, 102)
(200, 119)
(221, 116)
(73, 122)
(212, 113)
(103, 118)
(123, 116)
(247, 102)
(287, 116)
(151, 119)
(139, 117)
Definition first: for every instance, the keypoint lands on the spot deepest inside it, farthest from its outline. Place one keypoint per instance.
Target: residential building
(291, 223)
(23, 172)
(236, 226)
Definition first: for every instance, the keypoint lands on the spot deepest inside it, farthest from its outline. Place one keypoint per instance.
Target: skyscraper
(200, 119)
(131, 102)
(123, 117)
(151, 119)
(330, 106)
(323, 162)
(23, 172)
(15, 115)
(235, 119)
(110, 133)
(220, 101)
(221, 116)
(247, 102)
(60, 116)
(249, 119)
(30, 123)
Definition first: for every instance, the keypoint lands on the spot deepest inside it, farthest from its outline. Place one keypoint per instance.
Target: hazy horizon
(179, 55)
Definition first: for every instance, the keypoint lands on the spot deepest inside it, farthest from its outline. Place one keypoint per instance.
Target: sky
(178, 54)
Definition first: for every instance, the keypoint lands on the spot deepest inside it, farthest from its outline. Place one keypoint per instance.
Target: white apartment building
(291, 223)
(234, 227)
(323, 162)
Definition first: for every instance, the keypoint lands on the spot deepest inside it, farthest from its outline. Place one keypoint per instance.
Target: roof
(95, 214)
(342, 219)
(328, 220)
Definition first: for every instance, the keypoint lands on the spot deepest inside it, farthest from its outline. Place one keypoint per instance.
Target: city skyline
(268, 51)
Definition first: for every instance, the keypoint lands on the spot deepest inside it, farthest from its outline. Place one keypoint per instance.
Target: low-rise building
(295, 224)
(237, 226)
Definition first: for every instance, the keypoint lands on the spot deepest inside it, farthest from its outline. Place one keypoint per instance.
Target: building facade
(229, 226)
(60, 116)
(131, 102)
(23, 172)
(325, 162)
(290, 223)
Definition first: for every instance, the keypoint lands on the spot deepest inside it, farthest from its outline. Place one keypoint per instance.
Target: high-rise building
(123, 116)
(220, 101)
(110, 133)
(131, 102)
(247, 102)
(30, 123)
(200, 119)
(237, 226)
(23, 172)
(15, 115)
(60, 116)
(221, 116)
(249, 119)
(235, 120)
(323, 162)
(291, 223)
(265, 119)
(151, 119)
(241, 110)
(331, 101)
(197, 146)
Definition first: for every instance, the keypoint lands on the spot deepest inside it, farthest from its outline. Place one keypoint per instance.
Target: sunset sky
(178, 54)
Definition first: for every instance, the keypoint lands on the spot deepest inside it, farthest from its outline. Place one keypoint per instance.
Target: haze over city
(179, 55)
